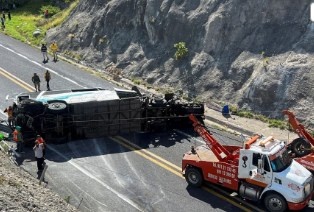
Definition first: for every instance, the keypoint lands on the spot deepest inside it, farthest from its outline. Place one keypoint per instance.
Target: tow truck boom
(219, 151)
(298, 128)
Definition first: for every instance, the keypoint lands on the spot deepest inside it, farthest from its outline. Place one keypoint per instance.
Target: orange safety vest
(15, 137)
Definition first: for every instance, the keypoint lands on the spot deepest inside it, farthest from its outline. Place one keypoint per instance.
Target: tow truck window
(281, 162)
(266, 164)
(255, 158)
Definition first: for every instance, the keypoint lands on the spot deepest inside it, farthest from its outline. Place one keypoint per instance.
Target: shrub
(181, 50)
(52, 10)
(245, 114)
(233, 109)
(136, 81)
(277, 124)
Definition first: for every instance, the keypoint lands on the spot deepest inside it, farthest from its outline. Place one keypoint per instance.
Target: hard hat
(18, 128)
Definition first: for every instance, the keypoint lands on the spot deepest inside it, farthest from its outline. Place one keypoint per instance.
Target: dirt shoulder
(246, 126)
(19, 191)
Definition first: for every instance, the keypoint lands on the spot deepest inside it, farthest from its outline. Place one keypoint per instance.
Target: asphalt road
(123, 173)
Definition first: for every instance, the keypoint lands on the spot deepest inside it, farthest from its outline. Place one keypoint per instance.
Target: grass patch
(30, 17)
(136, 81)
(67, 199)
(276, 123)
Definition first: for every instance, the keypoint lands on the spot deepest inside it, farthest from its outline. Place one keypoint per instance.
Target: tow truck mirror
(260, 166)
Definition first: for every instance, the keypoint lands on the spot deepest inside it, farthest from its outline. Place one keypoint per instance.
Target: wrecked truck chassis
(89, 113)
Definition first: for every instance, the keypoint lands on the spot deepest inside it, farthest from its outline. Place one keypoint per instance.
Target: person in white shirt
(39, 155)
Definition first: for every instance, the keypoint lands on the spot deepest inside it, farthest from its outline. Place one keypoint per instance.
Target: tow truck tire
(193, 177)
(275, 203)
(300, 147)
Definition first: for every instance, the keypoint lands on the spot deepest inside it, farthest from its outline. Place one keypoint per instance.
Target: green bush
(261, 118)
(277, 124)
(181, 50)
(245, 114)
(233, 109)
(52, 10)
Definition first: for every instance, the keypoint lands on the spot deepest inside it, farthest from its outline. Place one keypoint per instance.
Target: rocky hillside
(257, 54)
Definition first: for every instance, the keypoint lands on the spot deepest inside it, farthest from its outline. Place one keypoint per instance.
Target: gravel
(19, 191)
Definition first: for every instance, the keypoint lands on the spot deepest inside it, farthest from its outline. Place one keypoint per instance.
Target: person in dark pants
(39, 155)
(2, 23)
(36, 81)
(47, 78)
(9, 15)
(43, 50)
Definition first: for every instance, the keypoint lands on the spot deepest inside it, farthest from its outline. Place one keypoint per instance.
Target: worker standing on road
(54, 49)
(9, 111)
(40, 140)
(36, 81)
(44, 51)
(18, 138)
(38, 150)
(47, 78)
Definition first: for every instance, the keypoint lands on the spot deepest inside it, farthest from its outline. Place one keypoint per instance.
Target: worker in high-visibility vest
(9, 111)
(54, 48)
(18, 138)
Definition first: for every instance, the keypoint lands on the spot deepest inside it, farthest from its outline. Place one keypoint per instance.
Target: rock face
(225, 40)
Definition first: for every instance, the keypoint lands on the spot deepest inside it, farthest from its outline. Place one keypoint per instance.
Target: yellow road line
(16, 80)
(151, 154)
(140, 152)
(156, 160)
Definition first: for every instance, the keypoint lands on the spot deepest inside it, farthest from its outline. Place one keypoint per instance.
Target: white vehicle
(96, 112)
(260, 171)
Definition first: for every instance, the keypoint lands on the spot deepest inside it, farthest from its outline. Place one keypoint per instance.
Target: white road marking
(84, 171)
(42, 66)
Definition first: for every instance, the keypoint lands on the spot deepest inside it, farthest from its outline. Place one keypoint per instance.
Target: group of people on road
(36, 80)
(54, 49)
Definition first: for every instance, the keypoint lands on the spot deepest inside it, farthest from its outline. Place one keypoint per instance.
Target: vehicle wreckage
(64, 115)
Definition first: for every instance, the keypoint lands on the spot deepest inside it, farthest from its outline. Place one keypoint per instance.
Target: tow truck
(260, 171)
(302, 148)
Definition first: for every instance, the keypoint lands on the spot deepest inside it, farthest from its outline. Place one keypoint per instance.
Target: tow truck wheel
(275, 203)
(194, 177)
(300, 147)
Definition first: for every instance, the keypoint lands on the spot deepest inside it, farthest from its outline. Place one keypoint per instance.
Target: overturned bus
(63, 115)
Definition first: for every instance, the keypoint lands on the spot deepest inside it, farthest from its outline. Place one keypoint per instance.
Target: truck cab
(260, 171)
(267, 166)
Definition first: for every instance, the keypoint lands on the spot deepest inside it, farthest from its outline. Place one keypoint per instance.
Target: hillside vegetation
(256, 55)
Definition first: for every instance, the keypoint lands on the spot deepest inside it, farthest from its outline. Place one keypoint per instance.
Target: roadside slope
(20, 192)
